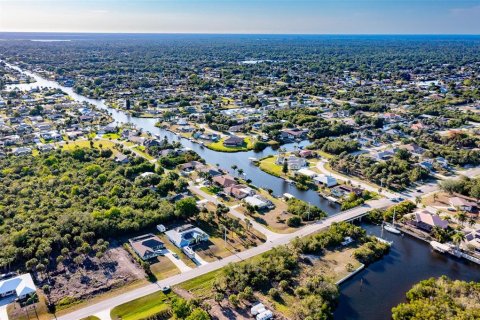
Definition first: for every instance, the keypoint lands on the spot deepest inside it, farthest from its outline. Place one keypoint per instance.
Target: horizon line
(240, 33)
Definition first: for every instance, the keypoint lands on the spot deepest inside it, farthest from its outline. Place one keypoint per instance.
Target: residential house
(147, 246)
(237, 128)
(462, 204)
(325, 180)
(224, 181)
(342, 190)
(239, 191)
(413, 148)
(293, 162)
(190, 166)
(21, 151)
(259, 202)
(21, 287)
(473, 239)
(186, 235)
(427, 221)
(233, 141)
(306, 154)
(293, 134)
(121, 158)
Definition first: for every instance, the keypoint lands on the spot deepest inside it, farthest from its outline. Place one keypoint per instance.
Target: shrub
(294, 221)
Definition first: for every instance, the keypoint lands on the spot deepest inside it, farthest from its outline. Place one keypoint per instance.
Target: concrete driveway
(178, 262)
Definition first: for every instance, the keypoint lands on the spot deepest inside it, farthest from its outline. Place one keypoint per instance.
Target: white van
(188, 252)
(267, 314)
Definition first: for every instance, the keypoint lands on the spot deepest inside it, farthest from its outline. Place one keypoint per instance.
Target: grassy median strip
(143, 307)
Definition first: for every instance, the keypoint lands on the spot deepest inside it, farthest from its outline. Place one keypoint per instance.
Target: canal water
(373, 292)
(224, 160)
(370, 294)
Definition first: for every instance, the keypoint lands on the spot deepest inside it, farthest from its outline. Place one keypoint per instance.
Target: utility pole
(225, 237)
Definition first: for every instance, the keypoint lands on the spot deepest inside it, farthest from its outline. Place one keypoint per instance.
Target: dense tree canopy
(62, 203)
(440, 299)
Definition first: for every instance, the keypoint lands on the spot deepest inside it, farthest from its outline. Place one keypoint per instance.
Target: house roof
(224, 181)
(233, 140)
(255, 201)
(22, 285)
(430, 219)
(457, 201)
(185, 232)
(146, 244)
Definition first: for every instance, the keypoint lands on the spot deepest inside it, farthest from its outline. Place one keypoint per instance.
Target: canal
(224, 160)
(370, 294)
(373, 292)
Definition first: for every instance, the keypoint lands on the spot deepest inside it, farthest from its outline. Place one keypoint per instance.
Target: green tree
(186, 208)
(198, 314)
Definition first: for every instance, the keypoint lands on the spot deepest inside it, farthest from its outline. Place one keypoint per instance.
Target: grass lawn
(164, 268)
(141, 151)
(201, 286)
(106, 144)
(269, 166)
(218, 146)
(143, 307)
(324, 154)
(112, 136)
(212, 190)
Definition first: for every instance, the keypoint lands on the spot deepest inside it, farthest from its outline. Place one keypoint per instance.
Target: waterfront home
(239, 191)
(259, 202)
(147, 246)
(293, 134)
(306, 153)
(224, 181)
(307, 172)
(186, 235)
(427, 221)
(343, 190)
(473, 239)
(325, 180)
(190, 166)
(233, 141)
(20, 287)
(462, 204)
(210, 171)
(293, 162)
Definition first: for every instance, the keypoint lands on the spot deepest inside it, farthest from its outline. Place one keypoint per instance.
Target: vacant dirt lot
(72, 283)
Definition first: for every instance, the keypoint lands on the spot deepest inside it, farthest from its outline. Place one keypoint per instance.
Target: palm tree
(240, 171)
(418, 200)
(462, 217)
(457, 238)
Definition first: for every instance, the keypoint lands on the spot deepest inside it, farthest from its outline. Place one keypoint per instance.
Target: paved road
(212, 266)
(273, 240)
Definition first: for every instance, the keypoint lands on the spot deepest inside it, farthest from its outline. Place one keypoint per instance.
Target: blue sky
(247, 16)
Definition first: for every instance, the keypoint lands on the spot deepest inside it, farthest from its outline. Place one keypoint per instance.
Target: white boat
(391, 227)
